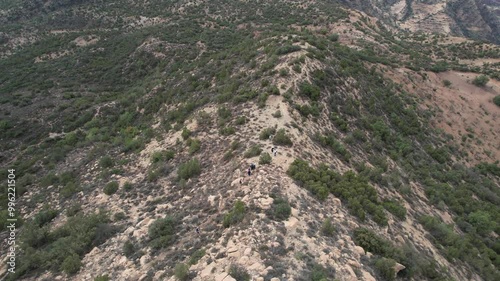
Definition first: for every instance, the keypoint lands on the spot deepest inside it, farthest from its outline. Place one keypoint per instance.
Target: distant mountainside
(476, 19)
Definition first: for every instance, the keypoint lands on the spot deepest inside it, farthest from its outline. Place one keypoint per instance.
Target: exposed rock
(398, 267)
(359, 250)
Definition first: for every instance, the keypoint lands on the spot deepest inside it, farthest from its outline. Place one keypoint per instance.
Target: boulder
(397, 268)
(359, 250)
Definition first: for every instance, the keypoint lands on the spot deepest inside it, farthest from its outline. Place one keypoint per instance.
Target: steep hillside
(476, 19)
(131, 128)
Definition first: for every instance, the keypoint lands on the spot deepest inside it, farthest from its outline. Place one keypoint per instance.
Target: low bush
(385, 268)
(327, 228)
(239, 273)
(189, 169)
(266, 133)
(111, 188)
(196, 256)
(496, 100)
(106, 162)
(481, 80)
(235, 215)
(102, 278)
(240, 120)
(186, 133)
(181, 272)
(162, 232)
(280, 210)
(128, 248)
(253, 151)
(45, 216)
(265, 158)
(395, 208)
(194, 145)
(281, 138)
(226, 131)
(71, 264)
(163, 155)
(310, 91)
(127, 186)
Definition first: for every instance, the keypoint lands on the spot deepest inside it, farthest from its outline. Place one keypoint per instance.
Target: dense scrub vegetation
(61, 248)
(103, 99)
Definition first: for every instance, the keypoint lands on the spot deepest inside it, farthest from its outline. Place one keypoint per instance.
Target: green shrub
(310, 91)
(102, 278)
(194, 145)
(128, 248)
(235, 215)
(71, 264)
(73, 210)
(196, 256)
(240, 120)
(327, 228)
(181, 272)
(277, 114)
(481, 80)
(45, 216)
(226, 131)
(318, 273)
(287, 49)
(280, 210)
(239, 273)
(385, 268)
(224, 112)
(266, 133)
(446, 83)
(163, 155)
(261, 101)
(111, 188)
(162, 232)
(281, 138)
(235, 145)
(395, 208)
(69, 189)
(273, 90)
(106, 162)
(265, 158)
(496, 100)
(189, 169)
(127, 186)
(334, 37)
(253, 151)
(186, 133)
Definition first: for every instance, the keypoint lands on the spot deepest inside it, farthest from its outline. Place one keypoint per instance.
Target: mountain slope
(476, 19)
(131, 127)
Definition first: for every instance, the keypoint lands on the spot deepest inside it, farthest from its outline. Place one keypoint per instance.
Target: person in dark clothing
(249, 172)
(198, 230)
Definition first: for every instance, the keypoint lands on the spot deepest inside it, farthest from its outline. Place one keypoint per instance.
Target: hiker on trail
(249, 172)
(274, 150)
(198, 230)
